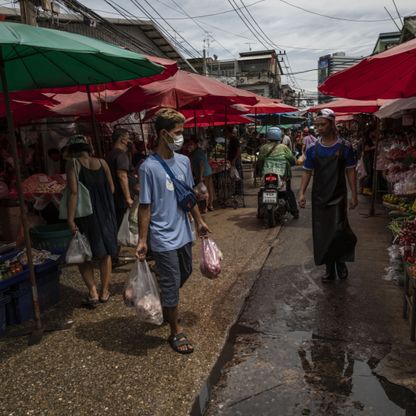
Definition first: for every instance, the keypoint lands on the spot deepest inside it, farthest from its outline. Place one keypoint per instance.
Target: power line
(143, 9)
(335, 17)
(247, 23)
(199, 25)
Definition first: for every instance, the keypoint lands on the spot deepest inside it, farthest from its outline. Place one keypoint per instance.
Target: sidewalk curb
(260, 257)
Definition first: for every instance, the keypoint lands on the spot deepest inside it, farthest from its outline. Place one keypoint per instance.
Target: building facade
(329, 64)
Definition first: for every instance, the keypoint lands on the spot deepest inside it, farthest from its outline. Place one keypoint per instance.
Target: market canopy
(207, 120)
(44, 58)
(270, 106)
(390, 74)
(343, 105)
(395, 108)
(183, 90)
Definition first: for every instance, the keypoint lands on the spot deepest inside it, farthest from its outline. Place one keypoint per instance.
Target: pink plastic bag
(211, 258)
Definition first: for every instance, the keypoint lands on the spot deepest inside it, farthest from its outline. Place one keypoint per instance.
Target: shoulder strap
(77, 167)
(165, 165)
(271, 150)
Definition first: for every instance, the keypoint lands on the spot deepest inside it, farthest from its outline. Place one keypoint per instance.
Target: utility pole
(205, 53)
(28, 12)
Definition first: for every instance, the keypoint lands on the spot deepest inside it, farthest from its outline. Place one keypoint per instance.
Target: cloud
(286, 26)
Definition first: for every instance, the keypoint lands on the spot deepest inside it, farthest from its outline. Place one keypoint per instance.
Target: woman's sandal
(90, 303)
(180, 340)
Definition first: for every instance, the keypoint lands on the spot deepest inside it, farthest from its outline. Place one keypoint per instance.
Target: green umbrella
(31, 58)
(46, 58)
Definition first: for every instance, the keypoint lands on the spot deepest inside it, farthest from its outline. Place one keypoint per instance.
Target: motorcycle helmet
(275, 134)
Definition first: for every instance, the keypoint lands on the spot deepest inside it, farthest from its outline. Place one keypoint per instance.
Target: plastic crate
(20, 308)
(53, 237)
(4, 301)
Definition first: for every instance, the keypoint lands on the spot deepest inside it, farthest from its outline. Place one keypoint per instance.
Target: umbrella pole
(372, 212)
(196, 134)
(12, 138)
(225, 156)
(94, 124)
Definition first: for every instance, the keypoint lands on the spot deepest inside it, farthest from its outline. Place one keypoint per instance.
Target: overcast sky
(286, 26)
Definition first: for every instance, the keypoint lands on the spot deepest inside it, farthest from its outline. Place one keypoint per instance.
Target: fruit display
(400, 203)
(42, 184)
(10, 268)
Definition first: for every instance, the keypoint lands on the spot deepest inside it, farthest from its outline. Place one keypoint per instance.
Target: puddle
(329, 367)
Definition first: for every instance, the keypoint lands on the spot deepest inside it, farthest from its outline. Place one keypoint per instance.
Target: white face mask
(177, 143)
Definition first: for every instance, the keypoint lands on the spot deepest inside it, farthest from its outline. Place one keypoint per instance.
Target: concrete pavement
(109, 363)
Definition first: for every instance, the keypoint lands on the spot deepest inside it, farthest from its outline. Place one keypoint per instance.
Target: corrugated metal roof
(255, 58)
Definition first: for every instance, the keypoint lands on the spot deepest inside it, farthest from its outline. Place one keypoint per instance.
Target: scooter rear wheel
(271, 218)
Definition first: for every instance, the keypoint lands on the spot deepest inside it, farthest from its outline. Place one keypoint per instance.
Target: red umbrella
(390, 74)
(183, 90)
(344, 105)
(270, 106)
(206, 120)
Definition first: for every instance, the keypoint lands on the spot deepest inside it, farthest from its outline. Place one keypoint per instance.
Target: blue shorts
(174, 268)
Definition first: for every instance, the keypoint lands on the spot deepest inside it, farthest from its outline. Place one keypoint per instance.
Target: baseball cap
(326, 113)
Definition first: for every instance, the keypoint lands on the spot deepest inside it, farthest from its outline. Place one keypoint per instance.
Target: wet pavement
(304, 348)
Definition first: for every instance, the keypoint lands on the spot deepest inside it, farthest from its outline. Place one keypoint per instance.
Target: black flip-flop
(90, 303)
(180, 340)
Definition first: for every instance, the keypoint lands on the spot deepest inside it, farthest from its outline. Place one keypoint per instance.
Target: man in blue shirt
(331, 160)
(165, 223)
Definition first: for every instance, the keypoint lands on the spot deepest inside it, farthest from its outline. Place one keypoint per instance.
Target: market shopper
(201, 170)
(100, 227)
(286, 139)
(120, 166)
(331, 160)
(234, 155)
(164, 223)
(308, 140)
(278, 159)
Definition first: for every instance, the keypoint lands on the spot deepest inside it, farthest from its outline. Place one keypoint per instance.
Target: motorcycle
(272, 203)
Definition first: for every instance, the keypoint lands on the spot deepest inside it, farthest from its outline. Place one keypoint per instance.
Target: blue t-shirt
(327, 151)
(170, 228)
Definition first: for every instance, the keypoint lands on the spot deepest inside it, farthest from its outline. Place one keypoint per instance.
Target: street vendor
(330, 160)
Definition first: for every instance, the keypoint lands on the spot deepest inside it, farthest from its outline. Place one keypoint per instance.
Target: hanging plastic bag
(234, 174)
(124, 236)
(361, 170)
(134, 217)
(142, 293)
(210, 259)
(79, 250)
(201, 191)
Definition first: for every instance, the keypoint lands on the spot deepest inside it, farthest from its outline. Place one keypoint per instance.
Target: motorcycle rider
(278, 159)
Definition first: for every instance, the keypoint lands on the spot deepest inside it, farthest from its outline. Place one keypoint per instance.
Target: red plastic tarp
(390, 74)
(343, 105)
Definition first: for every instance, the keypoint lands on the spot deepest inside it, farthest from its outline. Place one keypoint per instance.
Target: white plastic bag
(124, 236)
(211, 257)
(79, 250)
(201, 191)
(234, 174)
(142, 293)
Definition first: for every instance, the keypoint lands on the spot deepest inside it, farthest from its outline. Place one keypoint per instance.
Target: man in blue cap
(278, 159)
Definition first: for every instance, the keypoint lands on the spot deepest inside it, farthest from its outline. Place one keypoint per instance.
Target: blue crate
(20, 309)
(4, 301)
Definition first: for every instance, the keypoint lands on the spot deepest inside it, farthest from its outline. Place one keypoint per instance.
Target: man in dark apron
(331, 161)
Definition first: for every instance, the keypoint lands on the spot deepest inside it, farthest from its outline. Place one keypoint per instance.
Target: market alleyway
(304, 348)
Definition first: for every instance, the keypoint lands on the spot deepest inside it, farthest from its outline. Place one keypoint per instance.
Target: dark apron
(333, 239)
